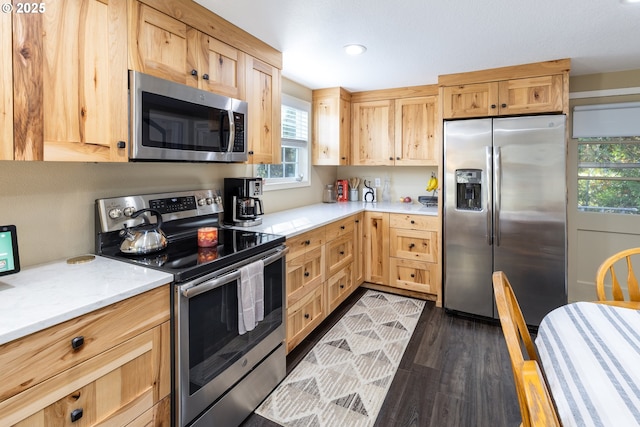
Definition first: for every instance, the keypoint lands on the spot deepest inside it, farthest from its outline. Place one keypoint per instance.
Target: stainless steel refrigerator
(505, 203)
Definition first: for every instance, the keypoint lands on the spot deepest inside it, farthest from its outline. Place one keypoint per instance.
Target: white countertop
(45, 295)
(296, 221)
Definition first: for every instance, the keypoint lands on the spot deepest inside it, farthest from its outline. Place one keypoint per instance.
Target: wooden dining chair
(516, 335)
(620, 262)
(542, 412)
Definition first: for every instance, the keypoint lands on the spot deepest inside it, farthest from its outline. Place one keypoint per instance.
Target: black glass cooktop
(185, 260)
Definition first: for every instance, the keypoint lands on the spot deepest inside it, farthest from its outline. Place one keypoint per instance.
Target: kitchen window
(293, 171)
(609, 175)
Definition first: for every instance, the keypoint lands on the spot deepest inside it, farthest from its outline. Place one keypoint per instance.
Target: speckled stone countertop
(296, 221)
(45, 295)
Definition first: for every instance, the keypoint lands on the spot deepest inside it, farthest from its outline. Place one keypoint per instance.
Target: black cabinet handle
(250, 153)
(341, 252)
(121, 144)
(390, 158)
(413, 275)
(307, 242)
(306, 274)
(205, 77)
(343, 158)
(413, 222)
(504, 105)
(411, 245)
(341, 286)
(357, 221)
(76, 414)
(397, 158)
(306, 316)
(493, 106)
(342, 227)
(194, 72)
(77, 342)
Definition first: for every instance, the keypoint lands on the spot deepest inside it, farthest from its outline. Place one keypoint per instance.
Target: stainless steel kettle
(145, 238)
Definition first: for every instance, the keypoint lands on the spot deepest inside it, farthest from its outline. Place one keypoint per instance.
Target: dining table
(590, 355)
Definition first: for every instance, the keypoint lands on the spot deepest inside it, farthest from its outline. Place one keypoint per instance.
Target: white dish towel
(250, 296)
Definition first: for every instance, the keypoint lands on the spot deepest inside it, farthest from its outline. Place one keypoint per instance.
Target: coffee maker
(242, 203)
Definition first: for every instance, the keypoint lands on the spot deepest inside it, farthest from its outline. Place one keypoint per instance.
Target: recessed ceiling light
(355, 49)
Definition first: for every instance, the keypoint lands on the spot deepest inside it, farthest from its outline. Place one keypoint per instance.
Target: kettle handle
(259, 203)
(154, 212)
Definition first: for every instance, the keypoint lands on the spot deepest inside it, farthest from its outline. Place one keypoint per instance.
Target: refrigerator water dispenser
(469, 189)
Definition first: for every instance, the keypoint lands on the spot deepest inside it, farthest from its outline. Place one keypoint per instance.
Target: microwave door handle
(232, 131)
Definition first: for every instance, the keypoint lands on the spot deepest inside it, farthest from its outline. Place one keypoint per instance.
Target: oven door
(171, 121)
(210, 354)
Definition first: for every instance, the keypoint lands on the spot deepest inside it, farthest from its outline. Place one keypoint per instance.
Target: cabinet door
(263, 96)
(6, 87)
(412, 275)
(413, 244)
(70, 82)
(376, 247)
(331, 127)
(304, 316)
(415, 142)
(531, 95)
(217, 66)
(472, 100)
(339, 286)
(372, 133)
(157, 43)
(114, 387)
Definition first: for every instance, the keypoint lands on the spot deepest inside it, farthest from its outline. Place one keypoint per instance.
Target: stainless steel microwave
(175, 122)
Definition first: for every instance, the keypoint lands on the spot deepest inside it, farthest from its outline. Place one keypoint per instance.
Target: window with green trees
(609, 175)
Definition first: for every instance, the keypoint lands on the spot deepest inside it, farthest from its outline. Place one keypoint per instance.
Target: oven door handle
(193, 290)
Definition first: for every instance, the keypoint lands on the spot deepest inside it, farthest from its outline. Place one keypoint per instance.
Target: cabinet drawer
(114, 387)
(304, 274)
(305, 242)
(339, 254)
(416, 276)
(414, 222)
(413, 244)
(339, 286)
(30, 360)
(339, 228)
(304, 316)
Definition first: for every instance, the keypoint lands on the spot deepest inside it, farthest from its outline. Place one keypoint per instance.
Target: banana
(432, 185)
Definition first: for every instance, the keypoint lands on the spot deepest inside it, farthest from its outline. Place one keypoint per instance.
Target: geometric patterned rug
(344, 379)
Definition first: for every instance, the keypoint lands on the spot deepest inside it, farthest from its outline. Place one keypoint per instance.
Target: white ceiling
(411, 42)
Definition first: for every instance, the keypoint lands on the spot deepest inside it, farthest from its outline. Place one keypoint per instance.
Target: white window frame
(304, 163)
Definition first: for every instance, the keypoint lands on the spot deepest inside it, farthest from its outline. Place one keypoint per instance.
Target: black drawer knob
(307, 242)
(493, 106)
(205, 76)
(77, 342)
(412, 245)
(341, 286)
(306, 274)
(413, 275)
(306, 316)
(76, 414)
(194, 72)
(357, 221)
(504, 105)
(341, 252)
(342, 227)
(121, 144)
(390, 158)
(413, 222)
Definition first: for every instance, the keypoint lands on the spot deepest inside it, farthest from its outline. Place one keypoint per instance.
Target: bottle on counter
(329, 194)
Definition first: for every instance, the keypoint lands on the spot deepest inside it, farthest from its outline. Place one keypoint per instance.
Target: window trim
(271, 184)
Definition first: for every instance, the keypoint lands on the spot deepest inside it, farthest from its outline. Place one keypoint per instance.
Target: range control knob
(115, 213)
(128, 210)
(201, 202)
(209, 200)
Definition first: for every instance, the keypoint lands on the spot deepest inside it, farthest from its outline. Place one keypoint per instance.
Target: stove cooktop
(185, 260)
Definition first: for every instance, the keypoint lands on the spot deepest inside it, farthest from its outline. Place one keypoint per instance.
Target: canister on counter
(342, 190)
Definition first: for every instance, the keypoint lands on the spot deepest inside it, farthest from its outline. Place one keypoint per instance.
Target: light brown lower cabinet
(321, 273)
(122, 380)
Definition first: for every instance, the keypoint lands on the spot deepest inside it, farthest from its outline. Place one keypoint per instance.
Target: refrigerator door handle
(497, 166)
(488, 192)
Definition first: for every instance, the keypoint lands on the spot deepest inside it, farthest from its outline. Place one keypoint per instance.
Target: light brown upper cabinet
(331, 127)
(518, 96)
(165, 47)
(415, 132)
(263, 95)
(69, 82)
(395, 126)
(522, 89)
(372, 132)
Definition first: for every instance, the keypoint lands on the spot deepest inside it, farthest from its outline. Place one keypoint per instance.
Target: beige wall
(592, 237)
(405, 180)
(52, 203)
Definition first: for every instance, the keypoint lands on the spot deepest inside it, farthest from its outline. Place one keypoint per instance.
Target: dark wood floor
(454, 372)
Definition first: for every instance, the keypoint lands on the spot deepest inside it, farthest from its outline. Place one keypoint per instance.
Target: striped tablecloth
(591, 358)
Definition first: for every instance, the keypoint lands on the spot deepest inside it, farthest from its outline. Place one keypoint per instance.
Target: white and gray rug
(344, 379)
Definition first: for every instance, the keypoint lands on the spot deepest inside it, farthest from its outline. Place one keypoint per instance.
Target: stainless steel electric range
(218, 373)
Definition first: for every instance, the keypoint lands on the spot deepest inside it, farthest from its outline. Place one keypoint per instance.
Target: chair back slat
(608, 268)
